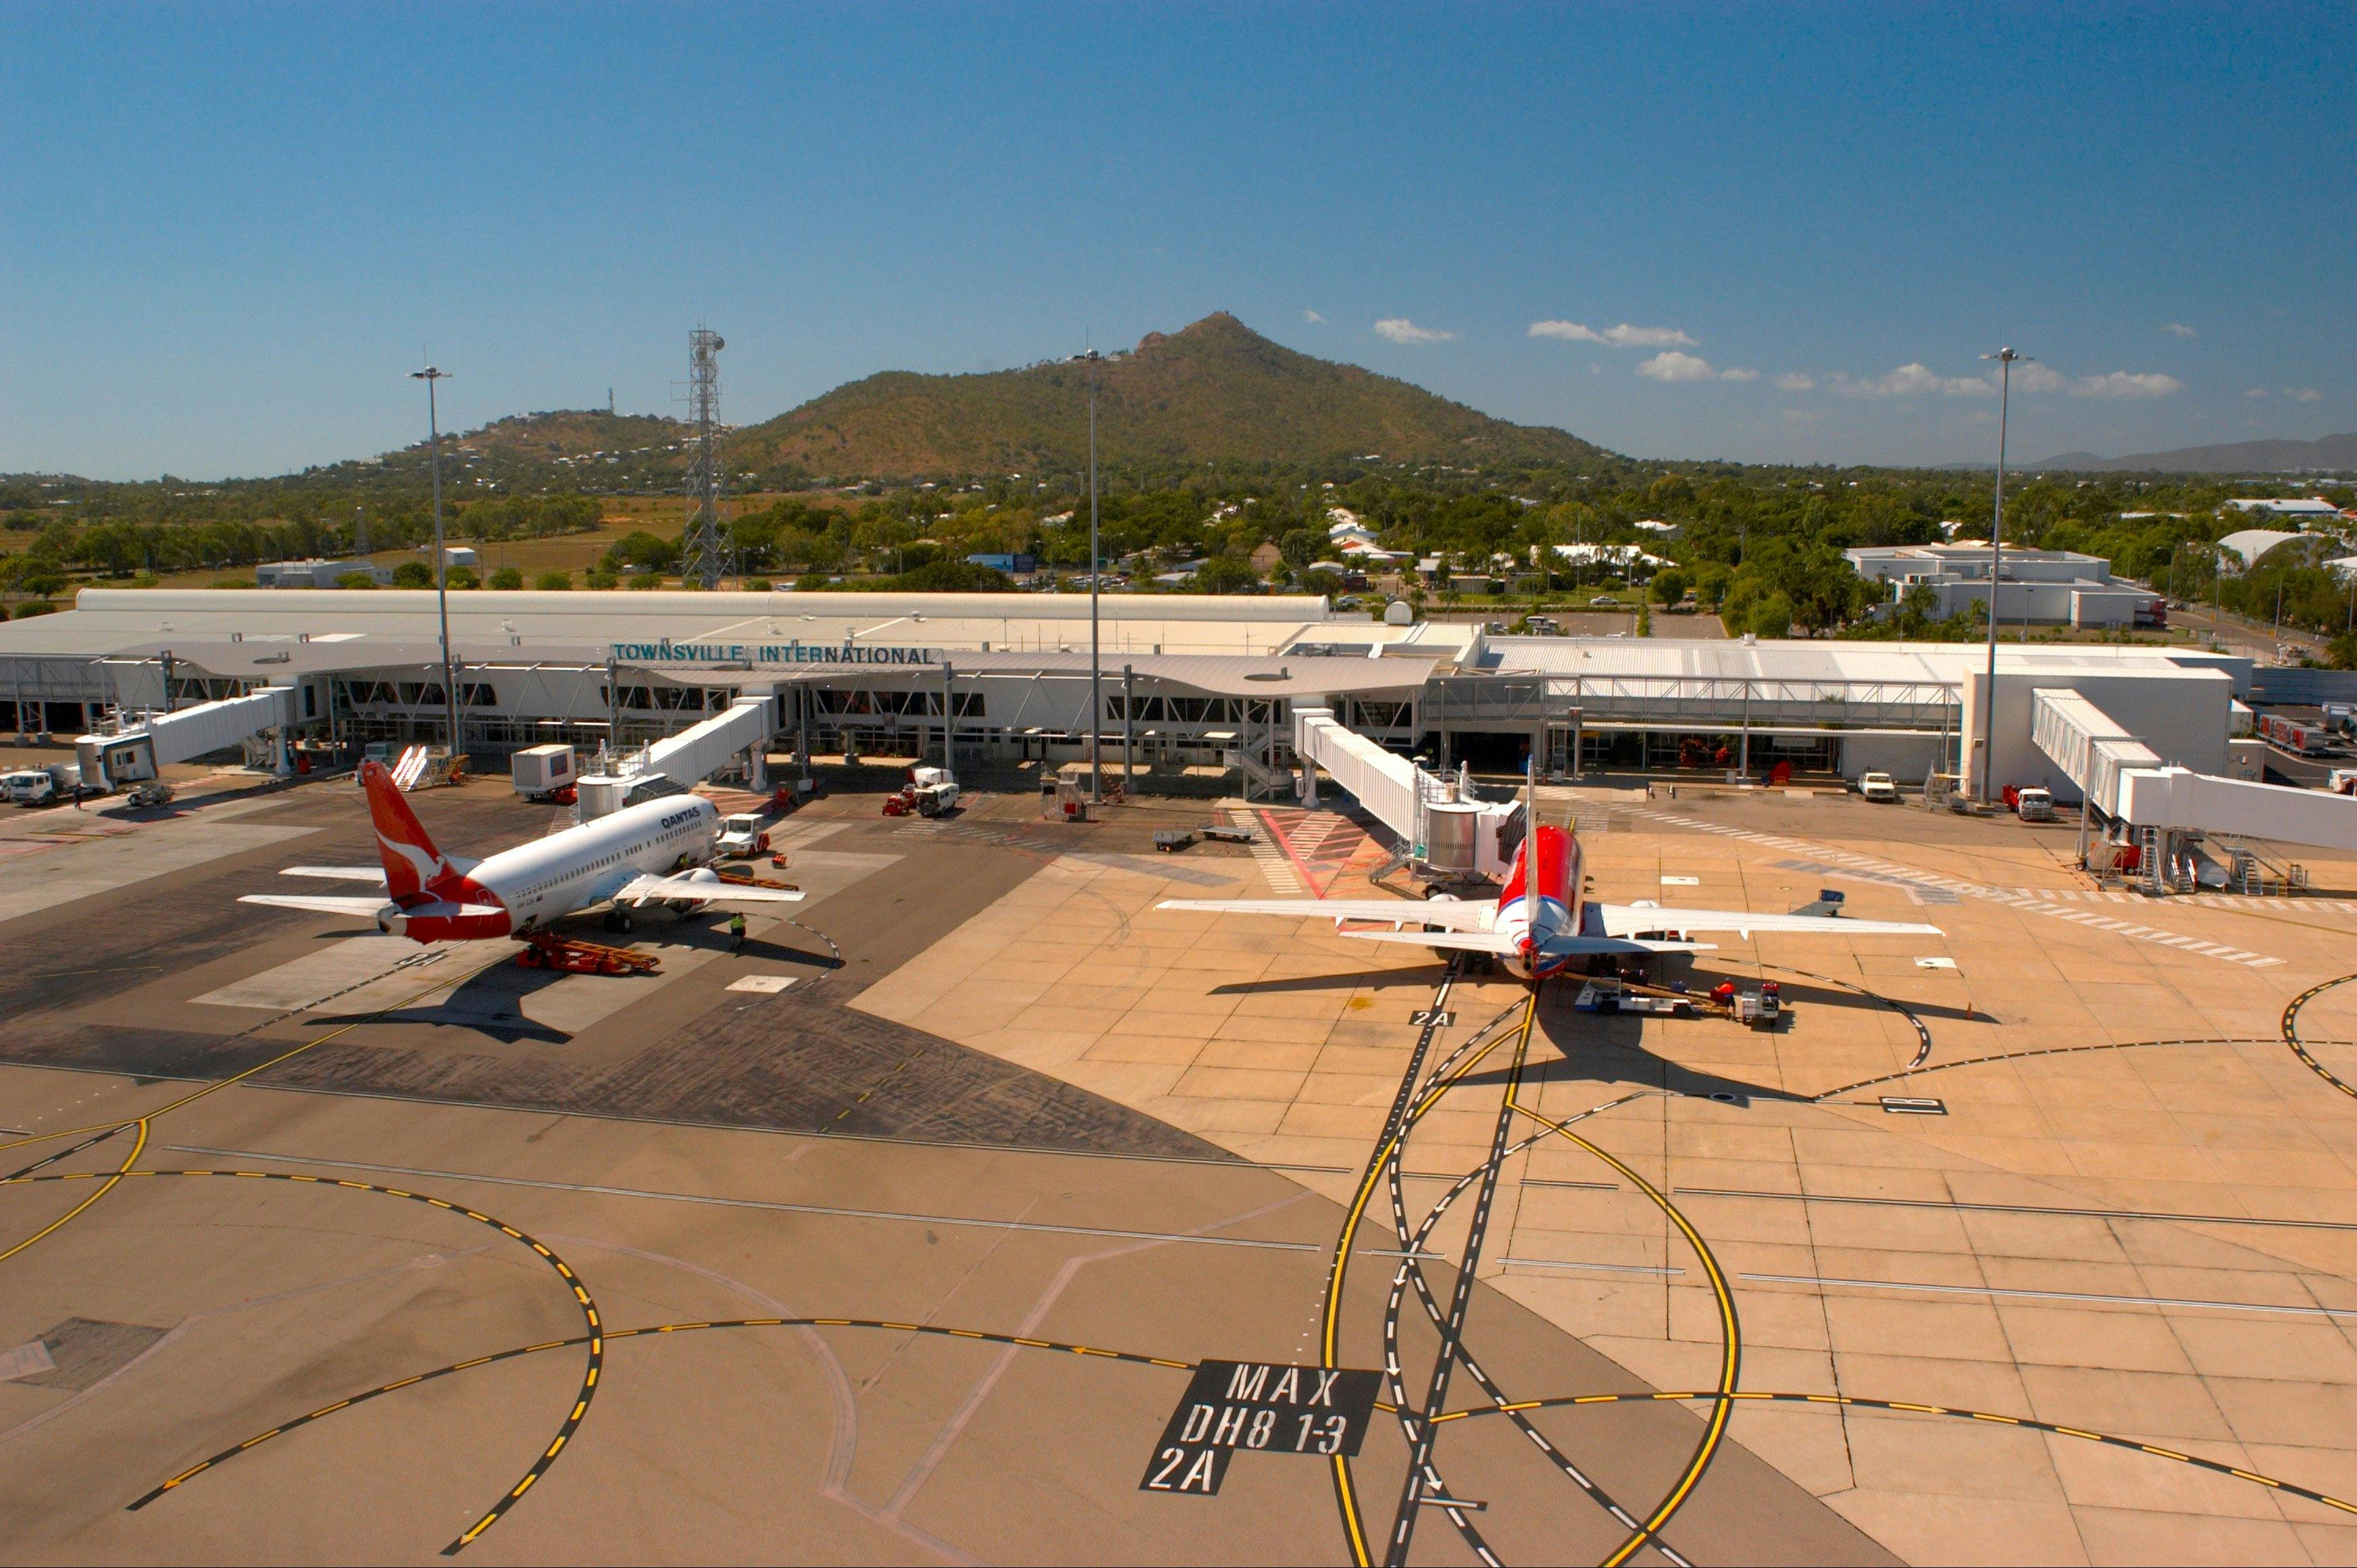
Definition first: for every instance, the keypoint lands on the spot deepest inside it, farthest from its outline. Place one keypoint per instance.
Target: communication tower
(702, 559)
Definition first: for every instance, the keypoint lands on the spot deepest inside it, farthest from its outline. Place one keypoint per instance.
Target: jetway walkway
(143, 750)
(694, 754)
(2088, 744)
(1434, 826)
(2165, 807)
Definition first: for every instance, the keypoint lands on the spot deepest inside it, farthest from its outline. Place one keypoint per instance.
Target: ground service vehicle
(2295, 735)
(1877, 787)
(742, 836)
(541, 771)
(31, 786)
(2030, 803)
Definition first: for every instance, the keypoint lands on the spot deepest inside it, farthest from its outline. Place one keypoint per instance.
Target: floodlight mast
(2005, 359)
(429, 375)
(1096, 667)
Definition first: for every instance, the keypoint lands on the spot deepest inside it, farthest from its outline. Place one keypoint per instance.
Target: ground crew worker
(737, 930)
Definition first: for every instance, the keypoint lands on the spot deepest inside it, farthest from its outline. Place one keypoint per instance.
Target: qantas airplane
(625, 860)
(1541, 923)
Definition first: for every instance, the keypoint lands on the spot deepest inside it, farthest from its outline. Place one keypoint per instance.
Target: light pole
(1096, 673)
(2005, 359)
(429, 375)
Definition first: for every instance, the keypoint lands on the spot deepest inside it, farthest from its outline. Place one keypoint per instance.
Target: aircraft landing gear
(617, 921)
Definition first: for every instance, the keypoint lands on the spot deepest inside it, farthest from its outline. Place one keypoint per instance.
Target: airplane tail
(412, 864)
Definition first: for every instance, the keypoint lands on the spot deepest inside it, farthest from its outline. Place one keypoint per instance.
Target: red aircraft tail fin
(412, 864)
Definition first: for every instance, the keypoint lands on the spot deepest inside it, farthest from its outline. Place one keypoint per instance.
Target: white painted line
(2335, 1311)
(1600, 1268)
(764, 985)
(1935, 964)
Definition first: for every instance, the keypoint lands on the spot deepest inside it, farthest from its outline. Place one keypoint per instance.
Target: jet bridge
(2089, 747)
(694, 753)
(142, 750)
(2165, 807)
(1435, 826)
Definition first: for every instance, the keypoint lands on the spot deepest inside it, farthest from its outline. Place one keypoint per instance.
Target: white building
(2313, 509)
(2038, 587)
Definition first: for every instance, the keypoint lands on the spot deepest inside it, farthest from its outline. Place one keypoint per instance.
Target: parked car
(31, 786)
(1602, 601)
(1877, 787)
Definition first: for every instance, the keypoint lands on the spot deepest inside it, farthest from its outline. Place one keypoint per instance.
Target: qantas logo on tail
(412, 866)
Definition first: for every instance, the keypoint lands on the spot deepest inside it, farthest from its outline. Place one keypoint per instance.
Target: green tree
(462, 577)
(1670, 585)
(1300, 547)
(356, 580)
(412, 575)
(507, 577)
(1772, 616)
(1224, 574)
(553, 582)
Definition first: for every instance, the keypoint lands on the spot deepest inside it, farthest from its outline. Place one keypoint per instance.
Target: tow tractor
(742, 837)
(1759, 1009)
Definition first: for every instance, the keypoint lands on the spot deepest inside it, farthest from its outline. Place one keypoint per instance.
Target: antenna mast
(702, 560)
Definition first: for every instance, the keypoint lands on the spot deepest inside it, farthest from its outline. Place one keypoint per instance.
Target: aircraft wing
(359, 908)
(646, 889)
(1628, 919)
(1447, 912)
(337, 873)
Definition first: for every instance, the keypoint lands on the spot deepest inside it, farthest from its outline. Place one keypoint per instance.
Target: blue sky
(225, 232)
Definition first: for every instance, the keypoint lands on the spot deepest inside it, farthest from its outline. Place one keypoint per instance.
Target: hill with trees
(1215, 392)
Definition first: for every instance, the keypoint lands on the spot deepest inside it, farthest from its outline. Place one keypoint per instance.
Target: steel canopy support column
(1128, 726)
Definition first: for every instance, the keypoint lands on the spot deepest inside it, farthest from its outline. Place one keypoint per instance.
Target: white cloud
(1313, 315)
(2256, 392)
(2123, 383)
(1738, 375)
(2179, 329)
(1918, 380)
(1400, 329)
(2029, 376)
(1621, 337)
(1672, 366)
(1793, 380)
(2303, 395)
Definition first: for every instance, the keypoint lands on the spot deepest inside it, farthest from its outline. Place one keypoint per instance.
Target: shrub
(953, 577)
(757, 585)
(601, 579)
(507, 577)
(35, 608)
(553, 582)
(412, 575)
(462, 577)
(356, 580)
(647, 580)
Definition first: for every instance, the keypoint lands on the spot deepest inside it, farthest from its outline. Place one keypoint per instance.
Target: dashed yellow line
(581, 1407)
(2291, 1033)
(594, 1339)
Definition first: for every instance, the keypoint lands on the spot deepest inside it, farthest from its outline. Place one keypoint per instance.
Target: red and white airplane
(1542, 922)
(626, 860)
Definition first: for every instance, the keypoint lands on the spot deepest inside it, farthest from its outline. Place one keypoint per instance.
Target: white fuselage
(549, 879)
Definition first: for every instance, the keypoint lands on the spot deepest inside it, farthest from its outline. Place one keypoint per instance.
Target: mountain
(1216, 391)
(2336, 452)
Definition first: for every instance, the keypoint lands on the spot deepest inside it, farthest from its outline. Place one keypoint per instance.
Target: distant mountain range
(2334, 452)
(1216, 391)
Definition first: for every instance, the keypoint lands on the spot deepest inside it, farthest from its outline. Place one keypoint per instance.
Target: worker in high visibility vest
(737, 931)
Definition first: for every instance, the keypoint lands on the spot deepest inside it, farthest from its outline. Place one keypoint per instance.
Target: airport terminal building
(1186, 681)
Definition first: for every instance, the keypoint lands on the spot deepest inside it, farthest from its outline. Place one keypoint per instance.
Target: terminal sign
(1260, 1407)
(796, 652)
